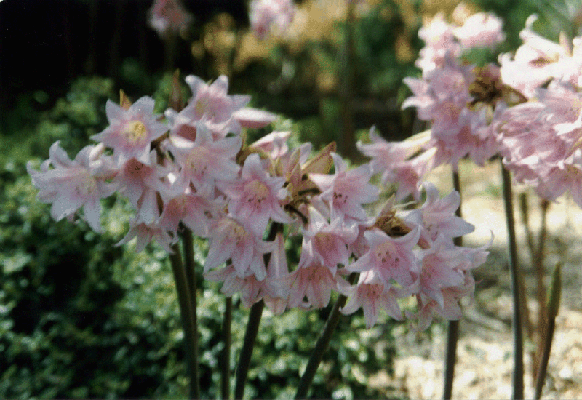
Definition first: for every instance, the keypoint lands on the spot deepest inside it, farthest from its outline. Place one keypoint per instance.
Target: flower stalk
(244, 360)
(540, 287)
(188, 318)
(453, 328)
(320, 347)
(513, 267)
(553, 307)
(190, 264)
(227, 340)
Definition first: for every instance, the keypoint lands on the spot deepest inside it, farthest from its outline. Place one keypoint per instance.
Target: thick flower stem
(513, 266)
(188, 319)
(190, 264)
(320, 348)
(540, 287)
(244, 360)
(542, 368)
(553, 307)
(227, 339)
(453, 330)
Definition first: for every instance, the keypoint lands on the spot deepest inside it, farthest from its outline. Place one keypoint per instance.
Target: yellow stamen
(134, 131)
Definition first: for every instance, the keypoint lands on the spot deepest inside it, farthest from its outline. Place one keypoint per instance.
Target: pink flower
(71, 185)
(535, 62)
(168, 16)
(230, 240)
(145, 233)
(250, 288)
(190, 208)
(140, 183)
(255, 197)
(440, 269)
(566, 175)
(346, 190)
(326, 243)
(276, 290)
(253, 118)
(480, 30)
(437, 216)
(206, 161)
(440, 44)
(271, 16)
(214, 105)
(394, 160)
(131, 131)
(275, 143)
(372, 294)
(450, 309)
(392, 259)
(315, 282)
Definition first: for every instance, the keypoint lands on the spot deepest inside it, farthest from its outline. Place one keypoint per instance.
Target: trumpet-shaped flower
(256, 197)
(346, 190)
(130, 132)
(392, 259)
(206, 161)
(480, 30)
(327, 243)
(248, 286)
(214, 105)
(313, 283)
(230, 240)
(372, 294)
(71, 185)
(437, 216)
(145, 233)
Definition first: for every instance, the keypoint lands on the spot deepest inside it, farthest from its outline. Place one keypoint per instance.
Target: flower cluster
(540, 139)
(528, 109)
(168, 16)
(539, 60)
(271, 16)
(458, 100)
(192, 168)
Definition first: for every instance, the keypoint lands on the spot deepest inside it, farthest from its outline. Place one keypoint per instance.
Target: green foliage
(378, 68)
(286, 342)
(72, 120)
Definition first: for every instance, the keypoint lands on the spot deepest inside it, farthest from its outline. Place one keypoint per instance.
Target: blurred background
(81, 318)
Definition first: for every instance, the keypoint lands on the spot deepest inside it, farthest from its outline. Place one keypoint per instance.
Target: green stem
(540, 287)
(227, 340)
(553, 307)
(320, 348)
(188, 245)
(453, 329)
(187, 317)
(547, 348)
(515, 284)
(244, 360)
